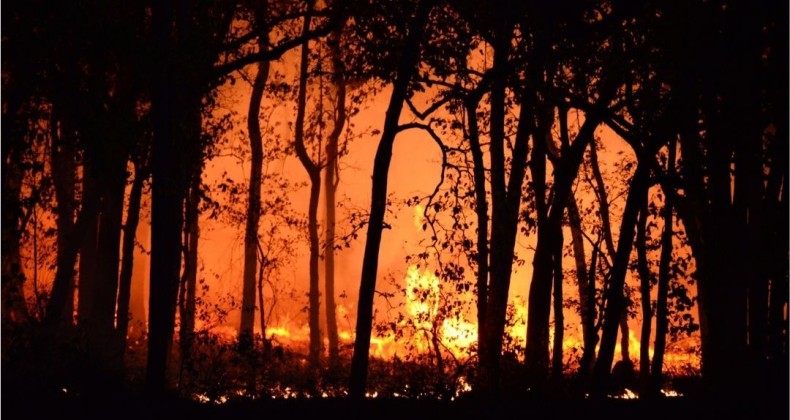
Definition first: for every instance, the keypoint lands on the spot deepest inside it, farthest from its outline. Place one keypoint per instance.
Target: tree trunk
(506, 201)
(314, 172)
(330, 180)
(175, 112)
(566, 169)
(139, 278)
(481, 211)
(559, 319)
(64, 176)
(104, 343)
(251, 243)
(66, 262)
(406, 69)
(501, 256)
(261, 307)
(616, 301)
(586, 286)
(189, 275)
(662, 321)
(129, 238)
(86, 285)
(603, 200)
(644, 291)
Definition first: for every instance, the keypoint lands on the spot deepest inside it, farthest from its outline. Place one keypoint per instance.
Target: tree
(129, 240)
(330, 187)
(659, 346)
(314, 173)
(410, 54)
(251, 241)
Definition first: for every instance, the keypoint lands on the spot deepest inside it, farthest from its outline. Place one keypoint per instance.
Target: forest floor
(128, 406)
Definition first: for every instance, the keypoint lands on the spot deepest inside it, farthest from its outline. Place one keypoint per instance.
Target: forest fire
(411, 202)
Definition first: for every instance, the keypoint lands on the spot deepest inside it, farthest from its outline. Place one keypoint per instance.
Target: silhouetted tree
(407, 67)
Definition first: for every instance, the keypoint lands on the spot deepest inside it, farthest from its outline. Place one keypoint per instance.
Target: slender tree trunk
(603, 200)
(481, 211)
(662, 320)
(644, 291)
(616, 301)
(66, 262)
(64, 176)
(86, 285)
(189, 275)
(559, 319)
(587, 362)
(406, 69)
(129, 238)
(537, 350)
(330, 179)
(314, 172)
(506, 197)
(104, 343)
(490, 352)
(586, 292)
(262, 310)
(315, 296)
(139, 278)
(251, 243)
(175, 111)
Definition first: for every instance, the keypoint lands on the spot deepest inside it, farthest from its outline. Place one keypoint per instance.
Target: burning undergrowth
(422, 348)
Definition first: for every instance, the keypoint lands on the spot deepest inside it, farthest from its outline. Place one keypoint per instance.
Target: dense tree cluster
(105, 100)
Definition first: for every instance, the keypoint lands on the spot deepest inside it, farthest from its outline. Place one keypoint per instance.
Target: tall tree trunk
(86, 285)
(251, 243)
(490, 352)
(644, 291)
(140, 277)
(64, 175)
(330, 180)
(175, 111)
(262, 308)
(66, 262)
(586, 286)
(559, 319)
(603, 201)
(314, 172)
(189, 275)
(662, 313)
(406, 69)
(539, 368)
(616, 301)
(506, 194)
(566, 169)
(481, 211)
(129, 238)
(103, 340)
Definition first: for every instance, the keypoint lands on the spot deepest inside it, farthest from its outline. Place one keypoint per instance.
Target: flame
(626, 395)
(423, 322)
(422, 294)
